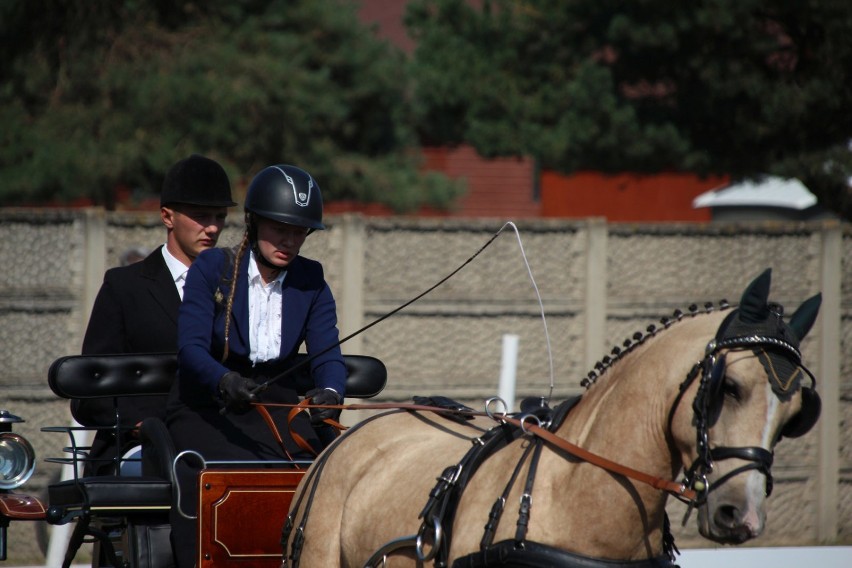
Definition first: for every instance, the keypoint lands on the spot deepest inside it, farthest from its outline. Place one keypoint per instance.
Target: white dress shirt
(176, 268)
(265, 312)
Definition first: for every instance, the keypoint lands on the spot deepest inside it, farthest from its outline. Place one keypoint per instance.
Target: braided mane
(640, 337)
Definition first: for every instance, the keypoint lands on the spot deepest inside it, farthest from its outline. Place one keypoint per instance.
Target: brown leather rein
(673, 487)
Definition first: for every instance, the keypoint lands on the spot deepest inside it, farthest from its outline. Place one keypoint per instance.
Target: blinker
(717, 379)
(807, 416)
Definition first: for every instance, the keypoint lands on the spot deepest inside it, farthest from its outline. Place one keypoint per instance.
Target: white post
(828, 479)
(508, 368)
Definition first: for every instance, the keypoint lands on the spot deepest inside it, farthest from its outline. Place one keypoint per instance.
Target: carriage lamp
(17, 458)
(17, 463)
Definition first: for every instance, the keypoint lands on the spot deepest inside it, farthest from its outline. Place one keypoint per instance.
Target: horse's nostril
(731, 521)
(727, 516)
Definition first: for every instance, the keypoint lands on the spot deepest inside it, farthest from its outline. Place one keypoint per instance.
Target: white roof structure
(769, 192)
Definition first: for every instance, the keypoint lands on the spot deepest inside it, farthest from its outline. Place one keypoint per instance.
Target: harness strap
(311, 481)
(497, 508)
(300, 441)
(505, 554)
(378, 406)
(294, 411)
(440, 509)
(758, 458)
(526, 497)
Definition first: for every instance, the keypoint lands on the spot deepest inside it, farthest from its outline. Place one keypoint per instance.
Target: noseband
(708, 404)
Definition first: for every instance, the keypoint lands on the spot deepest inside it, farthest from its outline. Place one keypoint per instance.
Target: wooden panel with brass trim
(241, 514)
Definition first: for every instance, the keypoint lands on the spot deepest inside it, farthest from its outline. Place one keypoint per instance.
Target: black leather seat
(106, 506)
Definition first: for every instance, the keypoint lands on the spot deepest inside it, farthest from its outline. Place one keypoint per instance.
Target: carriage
(126, 515)
(690, 408)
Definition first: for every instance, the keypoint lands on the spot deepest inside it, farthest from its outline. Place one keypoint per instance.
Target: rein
(524, 422)
(673, 487)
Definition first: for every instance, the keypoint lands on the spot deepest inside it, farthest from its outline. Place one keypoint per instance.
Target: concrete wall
(599, 282)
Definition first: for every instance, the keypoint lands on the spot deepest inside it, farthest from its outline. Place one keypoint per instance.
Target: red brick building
(513, 188)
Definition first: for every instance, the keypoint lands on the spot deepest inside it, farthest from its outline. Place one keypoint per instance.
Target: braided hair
(229, 305)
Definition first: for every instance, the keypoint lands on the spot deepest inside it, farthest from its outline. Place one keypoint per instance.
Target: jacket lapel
(160, 284)
(240, 313)
(294, 310)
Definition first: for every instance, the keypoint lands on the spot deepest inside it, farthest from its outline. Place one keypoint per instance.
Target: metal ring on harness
(436, 545)
(522, 419)
(493, 401)
(380, 557)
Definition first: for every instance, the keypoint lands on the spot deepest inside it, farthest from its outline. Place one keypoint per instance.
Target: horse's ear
(753, 305)
(804, 317)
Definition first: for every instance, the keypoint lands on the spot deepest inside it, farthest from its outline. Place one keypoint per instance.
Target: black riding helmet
(197, 180)
(286, 194)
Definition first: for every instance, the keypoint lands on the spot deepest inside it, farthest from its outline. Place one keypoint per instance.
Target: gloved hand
(236, 391)
(323, 396)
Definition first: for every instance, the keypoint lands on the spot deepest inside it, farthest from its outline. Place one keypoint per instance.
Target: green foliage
(95, 93)
(739, 87)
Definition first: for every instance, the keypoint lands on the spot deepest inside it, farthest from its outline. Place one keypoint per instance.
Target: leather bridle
(707, 405)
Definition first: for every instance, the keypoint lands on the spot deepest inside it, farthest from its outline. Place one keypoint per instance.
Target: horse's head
(750, 390)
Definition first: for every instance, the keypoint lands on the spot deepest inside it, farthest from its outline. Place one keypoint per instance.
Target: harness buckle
(454, 474)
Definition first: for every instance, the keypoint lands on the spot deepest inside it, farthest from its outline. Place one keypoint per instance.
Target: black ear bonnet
(777, 345)
(779, 351)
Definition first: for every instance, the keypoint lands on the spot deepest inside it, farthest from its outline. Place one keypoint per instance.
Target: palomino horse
(707, 394)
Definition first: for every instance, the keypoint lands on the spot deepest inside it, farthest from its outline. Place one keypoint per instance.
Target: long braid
(229, 306)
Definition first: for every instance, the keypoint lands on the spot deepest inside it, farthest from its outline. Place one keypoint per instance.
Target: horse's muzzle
(727, 523)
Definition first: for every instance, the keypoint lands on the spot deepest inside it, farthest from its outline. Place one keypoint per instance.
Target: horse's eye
(731, 390)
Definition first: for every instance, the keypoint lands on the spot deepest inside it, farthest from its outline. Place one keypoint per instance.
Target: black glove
(323, 396)
(236, 391)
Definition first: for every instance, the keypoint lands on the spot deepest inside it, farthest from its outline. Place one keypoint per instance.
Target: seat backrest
(98, 376)
(365, 376)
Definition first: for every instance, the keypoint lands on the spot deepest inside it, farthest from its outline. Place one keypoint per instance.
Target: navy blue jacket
(193, 413)
(309, 317)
